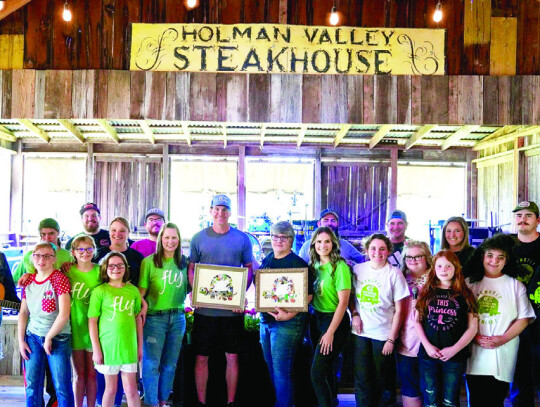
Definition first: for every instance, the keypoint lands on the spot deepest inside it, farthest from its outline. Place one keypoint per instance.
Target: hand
(388, 348)
(47, 345)
(144, 309)
(64, 268)
(357, 324)
(447, 353)
(97, 357)
(281, 315)
(23, 279)
(326, 343)
(483, 341)
(492, 342)
(241, 311)
(433, 352)
(24, 349)
(191, 300)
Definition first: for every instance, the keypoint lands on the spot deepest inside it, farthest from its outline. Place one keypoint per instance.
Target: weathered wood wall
(11, 364)
(358, 192)
(270, 98)
(495, 196)
(483, 37)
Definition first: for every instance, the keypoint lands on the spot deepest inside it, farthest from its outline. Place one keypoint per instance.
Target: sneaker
(232, 404)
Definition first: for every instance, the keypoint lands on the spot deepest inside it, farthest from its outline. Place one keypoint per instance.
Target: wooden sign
(277, 48)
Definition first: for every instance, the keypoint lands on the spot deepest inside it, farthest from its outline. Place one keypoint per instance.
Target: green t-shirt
(117, 309)
(82, 284)
(27, 266)
(326, 297)
(166, 287)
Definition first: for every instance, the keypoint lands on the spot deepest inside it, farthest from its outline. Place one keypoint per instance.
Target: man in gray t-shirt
(221, 245)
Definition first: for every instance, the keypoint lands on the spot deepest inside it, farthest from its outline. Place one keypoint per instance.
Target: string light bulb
(66, 15)
(334, 16)
(437, 16)
(191, 3)
(2, 4)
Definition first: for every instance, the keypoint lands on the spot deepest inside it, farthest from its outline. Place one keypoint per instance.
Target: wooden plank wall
(127, 187)
(112, 94)
(358, 192)
(533, 178)
(483, 36)
(11, 364)
(495, 196)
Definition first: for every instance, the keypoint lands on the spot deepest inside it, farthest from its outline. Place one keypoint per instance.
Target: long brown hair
(335, 256)
(458, 286)
(179, 260)
(465, 242)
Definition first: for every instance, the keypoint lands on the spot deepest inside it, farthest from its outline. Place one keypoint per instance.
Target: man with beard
(91, 216)
(153, 221)
(330, 219)
(396, 227)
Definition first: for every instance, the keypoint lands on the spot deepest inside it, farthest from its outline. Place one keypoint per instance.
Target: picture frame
(220, 287)
(283, 288)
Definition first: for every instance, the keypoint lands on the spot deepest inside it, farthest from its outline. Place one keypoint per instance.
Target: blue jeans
(441, 381)
(59, 361)
(323, 365)
(280, 341)
(163, 335)
(374, 373)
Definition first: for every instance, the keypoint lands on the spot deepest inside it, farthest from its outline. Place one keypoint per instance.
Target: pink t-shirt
(409, 342)
(145, 246)
(42, 301)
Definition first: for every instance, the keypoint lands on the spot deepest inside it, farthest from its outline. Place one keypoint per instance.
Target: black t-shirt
(10, 294)
(464, 256)
(445, 323)
(101, 239)
(528, 256)
(533, 292)
(133, 257)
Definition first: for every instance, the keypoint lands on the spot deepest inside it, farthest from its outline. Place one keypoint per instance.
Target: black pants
(486, 391)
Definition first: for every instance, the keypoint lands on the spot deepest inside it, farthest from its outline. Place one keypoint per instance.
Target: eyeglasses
(116, 266)
(88, 250)
(277, 238)
(415, 258)
(42, 256)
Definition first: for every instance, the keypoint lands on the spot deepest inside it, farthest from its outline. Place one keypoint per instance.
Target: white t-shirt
(500, 302)
(376, 293)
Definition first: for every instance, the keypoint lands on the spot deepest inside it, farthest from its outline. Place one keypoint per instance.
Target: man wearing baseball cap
(153, 221)
(396, 228)
(330, 218)
(527, 251)
(90, 217)
(219, 244)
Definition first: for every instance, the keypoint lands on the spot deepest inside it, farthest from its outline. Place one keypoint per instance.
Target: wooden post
(90, 171)
(393, 179)
(317, 184)
(472, 186)
(165, 180)
(242, 188)
(283, 11)
(17, 177)
(520, 167)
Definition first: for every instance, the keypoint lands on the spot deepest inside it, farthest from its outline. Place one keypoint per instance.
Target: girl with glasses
(116, 329)
(84, 277)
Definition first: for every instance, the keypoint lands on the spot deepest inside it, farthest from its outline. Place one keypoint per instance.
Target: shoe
(232, 404)
(200, 404)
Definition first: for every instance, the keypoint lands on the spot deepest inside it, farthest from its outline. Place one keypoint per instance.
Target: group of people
(109, 303)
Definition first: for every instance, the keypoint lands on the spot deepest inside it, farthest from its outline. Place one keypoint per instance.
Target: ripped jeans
(440, 381)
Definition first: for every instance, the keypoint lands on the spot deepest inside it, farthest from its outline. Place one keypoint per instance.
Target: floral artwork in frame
(283, 288)
(220, 287)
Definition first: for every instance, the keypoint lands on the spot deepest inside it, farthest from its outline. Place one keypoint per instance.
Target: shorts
(409, 375)
(217, 333)
(115, 369)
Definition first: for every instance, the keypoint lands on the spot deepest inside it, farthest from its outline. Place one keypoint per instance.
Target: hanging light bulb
(2, 4)
(66, 15)
(191, 3)
(437, 16)
(334, 16)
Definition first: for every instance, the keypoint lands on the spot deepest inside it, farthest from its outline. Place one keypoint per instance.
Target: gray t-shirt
(228, 249)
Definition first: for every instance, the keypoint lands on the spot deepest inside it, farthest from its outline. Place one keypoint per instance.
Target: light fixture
(334, 16)
(437, 16)
(66, 15)
(191, 3)
(2, 4)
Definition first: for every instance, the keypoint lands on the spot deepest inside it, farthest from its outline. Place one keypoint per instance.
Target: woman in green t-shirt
(332, 289)
(163, 283)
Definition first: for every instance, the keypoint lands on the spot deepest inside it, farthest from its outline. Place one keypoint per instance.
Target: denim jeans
(59, 361)
(323, 365)
(522, 387)
(163, 335)
(374, 373)
(280, 341)
(441, 381)
(485, 391)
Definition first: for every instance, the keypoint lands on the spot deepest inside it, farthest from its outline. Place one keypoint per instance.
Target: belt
(167, 311)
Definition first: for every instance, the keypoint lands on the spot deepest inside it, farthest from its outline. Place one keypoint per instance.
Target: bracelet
(391, 341)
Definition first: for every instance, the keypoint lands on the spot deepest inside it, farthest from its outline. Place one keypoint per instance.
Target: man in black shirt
(91, 216)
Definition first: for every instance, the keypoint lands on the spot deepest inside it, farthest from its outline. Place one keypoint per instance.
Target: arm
(492, 342)
(60, 321)
(356, 320)
(144, 305)
(388, 347)
(191, 273)
(472, 328)
(282, 315)
(328, 337)
(431, 350)
(97, 355)
(139, 338)
(24, 349)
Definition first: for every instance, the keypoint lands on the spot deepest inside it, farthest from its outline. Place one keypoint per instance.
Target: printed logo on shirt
(368, 295)
(78, 292)
(488, 306)
(104, 242)
(442, 312)
(169, 278)
(535, 298)
(528, 265)
(120, 304)
(48, 302)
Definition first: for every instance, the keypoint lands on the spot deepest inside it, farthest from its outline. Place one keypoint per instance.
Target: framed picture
(283, 288)
(219, 287)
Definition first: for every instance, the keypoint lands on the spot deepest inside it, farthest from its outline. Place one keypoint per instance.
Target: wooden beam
(523, 131)
(383, 131)
(224, 131)
(341, 134)
(503, 131)
(263, 133)
(187, 134)
(301, 135)
(16, 193)
(72, 129)
(393, 179)
(165, 181)
(283, 11)
(420, 134)
(34, 129)
(109, 129)
(462, 132)
(148, 131)
(317, 183)
(7, 135)
(7, 146)
(11, 6)
(242, 188)
(90, 171)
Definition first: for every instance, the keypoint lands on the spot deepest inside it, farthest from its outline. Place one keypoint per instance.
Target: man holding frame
(219, 244)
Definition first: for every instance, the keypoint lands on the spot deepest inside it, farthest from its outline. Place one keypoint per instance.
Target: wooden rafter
(147, 130)
(34, 129)
(7, 135)
(420, 134)
(263, 133)
(301, 135)
(109, 129)
(12, 6)
(341, 134)
(503, 131)
(187, 134)
(462, 132)
(523, 131)
(377, 137)
(72, 130)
